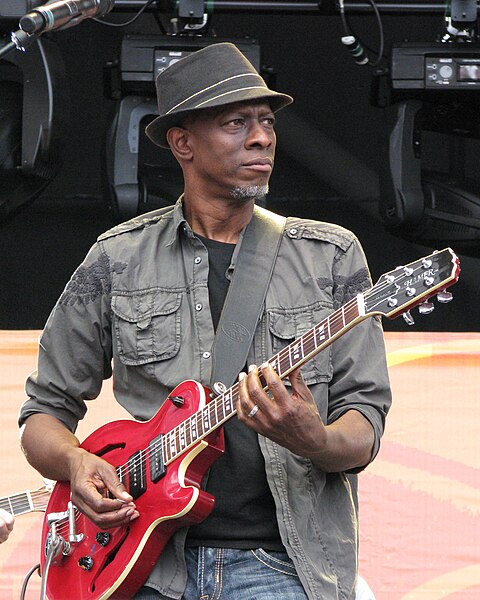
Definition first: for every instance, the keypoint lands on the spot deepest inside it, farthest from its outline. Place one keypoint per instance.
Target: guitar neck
(25, 502)
(223, 407)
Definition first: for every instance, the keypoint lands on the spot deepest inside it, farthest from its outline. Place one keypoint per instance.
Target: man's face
(233, 148)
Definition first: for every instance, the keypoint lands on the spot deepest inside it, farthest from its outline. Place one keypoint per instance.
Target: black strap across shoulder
(246, 295)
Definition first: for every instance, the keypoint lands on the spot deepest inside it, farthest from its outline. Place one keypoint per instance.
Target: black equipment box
(143, 57)
(435, 66)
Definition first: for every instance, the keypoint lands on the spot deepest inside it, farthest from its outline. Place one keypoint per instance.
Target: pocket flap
(282, 325)
(141, 307)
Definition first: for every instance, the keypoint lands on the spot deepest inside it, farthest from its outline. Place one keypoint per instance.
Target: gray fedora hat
(216, 75)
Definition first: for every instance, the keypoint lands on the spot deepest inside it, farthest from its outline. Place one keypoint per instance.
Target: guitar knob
(177, 401)
(408, 318)
(103, 537)
(444, 297)
(426, 308)
(85, 563)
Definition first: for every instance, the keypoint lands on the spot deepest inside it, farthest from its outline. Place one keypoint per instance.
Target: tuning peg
(408, 318)
(426, 308)
(444, 297)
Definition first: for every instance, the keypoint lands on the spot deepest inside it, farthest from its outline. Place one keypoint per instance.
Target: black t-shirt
(244, 512)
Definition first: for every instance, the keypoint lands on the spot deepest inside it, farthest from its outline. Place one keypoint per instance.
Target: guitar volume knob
(103, 537)
(85, 563)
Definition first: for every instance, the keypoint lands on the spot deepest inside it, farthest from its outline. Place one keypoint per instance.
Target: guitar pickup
(136, 474)
(157, 465)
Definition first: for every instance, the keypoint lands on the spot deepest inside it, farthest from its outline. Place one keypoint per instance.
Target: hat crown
(202, 76)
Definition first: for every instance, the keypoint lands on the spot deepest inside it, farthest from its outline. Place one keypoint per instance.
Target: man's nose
(258, 135)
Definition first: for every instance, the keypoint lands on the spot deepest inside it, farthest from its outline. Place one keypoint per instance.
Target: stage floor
(419, 500)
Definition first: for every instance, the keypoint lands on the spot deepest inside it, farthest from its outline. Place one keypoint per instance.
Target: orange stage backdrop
(419, 501)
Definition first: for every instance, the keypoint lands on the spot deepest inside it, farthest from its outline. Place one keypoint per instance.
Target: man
(148, 299)
(6, 524)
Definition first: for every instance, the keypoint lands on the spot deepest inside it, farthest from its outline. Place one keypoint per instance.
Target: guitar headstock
(397, 291)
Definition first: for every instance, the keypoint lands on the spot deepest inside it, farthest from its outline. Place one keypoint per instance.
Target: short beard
(249, 192)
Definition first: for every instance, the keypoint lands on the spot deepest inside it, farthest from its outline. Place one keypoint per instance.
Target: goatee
(249, 192)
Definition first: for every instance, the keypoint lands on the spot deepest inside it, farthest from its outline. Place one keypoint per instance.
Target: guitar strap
(246, 294)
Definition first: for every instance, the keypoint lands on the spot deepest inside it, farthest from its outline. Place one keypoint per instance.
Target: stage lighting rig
(429, 175)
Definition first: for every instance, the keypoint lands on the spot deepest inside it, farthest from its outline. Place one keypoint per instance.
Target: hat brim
(157, 129)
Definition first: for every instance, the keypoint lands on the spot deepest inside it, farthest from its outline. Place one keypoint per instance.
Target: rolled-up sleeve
(360, 378)
(75, 346)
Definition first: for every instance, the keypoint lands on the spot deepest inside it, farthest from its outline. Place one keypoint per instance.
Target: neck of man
(220, 219)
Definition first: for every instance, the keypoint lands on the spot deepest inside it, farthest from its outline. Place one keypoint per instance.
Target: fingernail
(252, 368)
(241, 376)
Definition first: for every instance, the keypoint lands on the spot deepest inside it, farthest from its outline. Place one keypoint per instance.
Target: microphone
(356, 49)
(62, 14)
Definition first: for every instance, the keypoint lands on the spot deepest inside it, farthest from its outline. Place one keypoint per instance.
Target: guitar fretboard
(223, 407)
(25, 502)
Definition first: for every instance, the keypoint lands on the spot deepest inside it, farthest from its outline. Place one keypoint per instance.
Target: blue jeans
(224, 574)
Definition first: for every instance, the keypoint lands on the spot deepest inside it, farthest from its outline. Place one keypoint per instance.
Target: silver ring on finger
(254, 411)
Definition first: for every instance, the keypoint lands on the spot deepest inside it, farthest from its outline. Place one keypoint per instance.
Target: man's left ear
(177, 138)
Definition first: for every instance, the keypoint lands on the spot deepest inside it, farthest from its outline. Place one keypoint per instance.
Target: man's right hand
(98, 493)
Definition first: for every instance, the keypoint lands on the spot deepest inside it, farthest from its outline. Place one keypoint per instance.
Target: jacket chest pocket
(288, 325)
(147, 326)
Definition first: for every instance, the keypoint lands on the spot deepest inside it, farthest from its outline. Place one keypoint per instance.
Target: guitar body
(119, 567)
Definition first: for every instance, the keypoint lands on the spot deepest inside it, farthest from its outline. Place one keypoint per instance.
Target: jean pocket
(277, 561)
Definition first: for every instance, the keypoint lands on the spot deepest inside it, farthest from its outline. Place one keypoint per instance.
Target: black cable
(25, 581)
(380, 33)
(359, 43)
(132, 20)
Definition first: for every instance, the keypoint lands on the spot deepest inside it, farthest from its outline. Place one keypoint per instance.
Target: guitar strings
(209, 413)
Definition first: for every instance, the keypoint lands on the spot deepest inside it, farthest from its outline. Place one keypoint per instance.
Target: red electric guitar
(162, 462)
